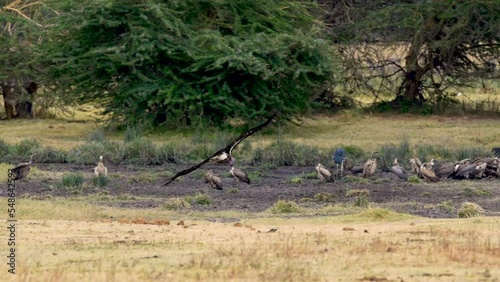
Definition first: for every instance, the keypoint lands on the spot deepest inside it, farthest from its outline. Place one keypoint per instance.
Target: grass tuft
(285, 152)
(176, 204)
(100, 181)
(72, 179)
(468, 209)
(282, 206)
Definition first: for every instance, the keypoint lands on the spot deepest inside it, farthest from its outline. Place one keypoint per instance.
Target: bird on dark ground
(427, 173)
(323, 173)
(214, 181)
(100, 169)
(239, 174)
(224, 155)
(399, 170)
(23, 169)
(370, 166)
(415, 164)
(339, 159)
(442, 169)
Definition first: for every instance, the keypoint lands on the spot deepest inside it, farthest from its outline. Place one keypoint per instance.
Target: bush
(89, 153)
(27, 147)
(469, 209)
(51, 155)
(282, 206)
(72, 179)
(96, 136)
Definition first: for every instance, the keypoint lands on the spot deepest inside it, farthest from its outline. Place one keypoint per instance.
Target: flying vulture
(223, 155)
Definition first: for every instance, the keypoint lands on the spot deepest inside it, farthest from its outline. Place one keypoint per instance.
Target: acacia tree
(415, 49)
(187, 61)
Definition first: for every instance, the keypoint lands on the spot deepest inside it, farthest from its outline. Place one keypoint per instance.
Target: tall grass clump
(169, 153)
(51, 155)
(100, 181)
(5, 149)
(72, 179)
(27, 147)
(89, 153)
(141, 151)
(132, 133)
(284, 152)
(389, 152)
(427, 152)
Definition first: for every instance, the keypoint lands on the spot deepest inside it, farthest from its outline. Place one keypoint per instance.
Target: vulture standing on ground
(415, 166)
(23, 169)
(370, 166)
(224, 155)
(444, 169)
(399, 170)
(100, 169)
(239, 174)
(323, 173)
(427, 173)
(214, 181)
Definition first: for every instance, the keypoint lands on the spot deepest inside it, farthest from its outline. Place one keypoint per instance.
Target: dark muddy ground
(140, 187)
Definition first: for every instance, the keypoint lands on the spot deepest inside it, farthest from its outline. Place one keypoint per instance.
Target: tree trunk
(8, 101)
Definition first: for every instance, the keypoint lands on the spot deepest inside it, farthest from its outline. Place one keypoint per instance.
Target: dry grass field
(107, 235)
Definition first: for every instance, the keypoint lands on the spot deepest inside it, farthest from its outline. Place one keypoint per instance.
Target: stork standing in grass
(338, 159)
(23, 169)
(323, 173)
(239, 174)
(100, 169)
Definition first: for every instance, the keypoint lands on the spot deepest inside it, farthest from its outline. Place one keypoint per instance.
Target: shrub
(282, 206)
(51, 155)
(176, 204)
(468, 209)
(27, 147)
(72, 179)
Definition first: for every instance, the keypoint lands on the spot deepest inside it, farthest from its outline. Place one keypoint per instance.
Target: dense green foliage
(190, 61)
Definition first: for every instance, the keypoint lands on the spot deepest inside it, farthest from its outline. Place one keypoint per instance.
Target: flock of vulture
(432, 171)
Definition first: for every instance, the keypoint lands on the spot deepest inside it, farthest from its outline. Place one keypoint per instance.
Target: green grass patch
(72, 179)
(283, 206)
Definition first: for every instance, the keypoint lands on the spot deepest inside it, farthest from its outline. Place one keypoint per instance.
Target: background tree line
(195, 62)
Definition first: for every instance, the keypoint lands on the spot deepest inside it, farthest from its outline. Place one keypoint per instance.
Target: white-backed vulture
(214, 181)
(100, 169)
(427, 173)
(323, 173)
(370, 166)
(399, 170)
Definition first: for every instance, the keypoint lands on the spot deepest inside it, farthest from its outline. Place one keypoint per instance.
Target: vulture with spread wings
(224, 155)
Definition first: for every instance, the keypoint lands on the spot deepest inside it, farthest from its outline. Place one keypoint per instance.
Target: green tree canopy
(184, 61)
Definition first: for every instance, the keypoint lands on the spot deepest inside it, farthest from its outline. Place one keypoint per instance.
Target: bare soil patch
(434, 200)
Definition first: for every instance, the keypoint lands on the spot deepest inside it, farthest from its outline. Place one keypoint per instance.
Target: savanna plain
(285, 226)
